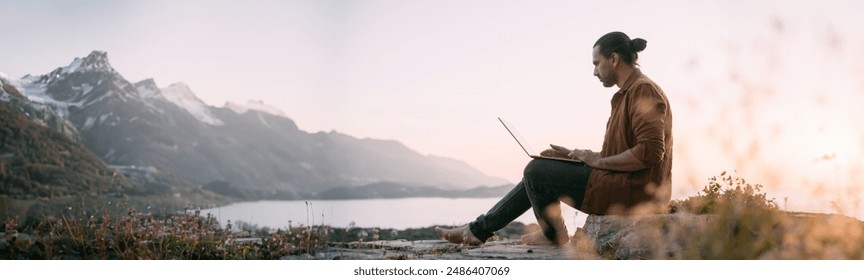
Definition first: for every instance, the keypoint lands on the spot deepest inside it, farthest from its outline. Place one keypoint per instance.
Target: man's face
(604, 68)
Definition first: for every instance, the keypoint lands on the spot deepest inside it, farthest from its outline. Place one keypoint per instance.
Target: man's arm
(648, 120)
(626, 161)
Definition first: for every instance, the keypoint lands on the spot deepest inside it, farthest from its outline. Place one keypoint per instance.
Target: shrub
(745, 224)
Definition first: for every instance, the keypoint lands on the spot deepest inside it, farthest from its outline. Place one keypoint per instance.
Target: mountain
(38, 112)
(140, 126)
(36, 161)
(182, 96)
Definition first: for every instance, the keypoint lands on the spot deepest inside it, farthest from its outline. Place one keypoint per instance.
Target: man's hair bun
(620, 43)
(638, 44)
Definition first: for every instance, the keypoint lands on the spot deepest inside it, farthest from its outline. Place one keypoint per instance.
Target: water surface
(384, 213)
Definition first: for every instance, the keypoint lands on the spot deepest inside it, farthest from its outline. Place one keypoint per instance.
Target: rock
(661, 236)
(736, 235)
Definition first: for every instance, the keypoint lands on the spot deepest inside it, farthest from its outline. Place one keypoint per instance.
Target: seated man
(633, 168)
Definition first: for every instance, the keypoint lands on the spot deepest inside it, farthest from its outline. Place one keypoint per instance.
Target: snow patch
(5, 79)
(104, 117)
(35, 92)
(148, 91)
(182, 96)
(237, 108)
(88, 123)
(258, 105)
(72, 66)
(254, 105)
(86, 88)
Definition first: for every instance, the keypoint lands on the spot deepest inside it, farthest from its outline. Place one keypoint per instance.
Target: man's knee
(537, 168)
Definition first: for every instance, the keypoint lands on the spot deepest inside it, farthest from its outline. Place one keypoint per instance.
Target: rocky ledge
(663, 236)
(443, 250)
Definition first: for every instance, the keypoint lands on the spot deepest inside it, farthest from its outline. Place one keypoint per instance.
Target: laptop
(527, 148)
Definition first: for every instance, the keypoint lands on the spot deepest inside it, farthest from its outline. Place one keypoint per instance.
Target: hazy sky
(772, 91)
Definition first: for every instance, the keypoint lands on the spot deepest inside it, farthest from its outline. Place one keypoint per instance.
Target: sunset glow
(773, 92)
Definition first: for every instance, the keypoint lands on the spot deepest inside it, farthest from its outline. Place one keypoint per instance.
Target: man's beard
(610, 80)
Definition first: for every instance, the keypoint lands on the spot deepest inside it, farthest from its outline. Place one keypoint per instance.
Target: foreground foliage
(745, 224)
(736, 220)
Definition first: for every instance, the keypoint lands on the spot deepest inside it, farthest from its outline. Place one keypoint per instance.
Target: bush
(746, 224)
(724, 191)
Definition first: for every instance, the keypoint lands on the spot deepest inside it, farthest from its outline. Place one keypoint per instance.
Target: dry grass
(733, 220)
(186, 235)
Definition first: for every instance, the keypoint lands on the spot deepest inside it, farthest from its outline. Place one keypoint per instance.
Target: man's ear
(614, 58)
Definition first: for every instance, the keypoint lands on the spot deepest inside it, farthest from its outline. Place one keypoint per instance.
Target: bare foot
(458, 235)
(538, 238)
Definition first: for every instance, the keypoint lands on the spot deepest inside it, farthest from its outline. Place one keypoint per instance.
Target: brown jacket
(641, 121)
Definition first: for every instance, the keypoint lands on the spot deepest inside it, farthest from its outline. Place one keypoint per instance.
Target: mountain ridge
(253, 146)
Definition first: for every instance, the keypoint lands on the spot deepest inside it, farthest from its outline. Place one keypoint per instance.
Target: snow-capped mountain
(36, 161)
(39, 112)
(182, 96)
(148, 90)
(253, 145)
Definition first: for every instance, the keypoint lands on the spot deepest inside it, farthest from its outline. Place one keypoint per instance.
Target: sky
(769, 92)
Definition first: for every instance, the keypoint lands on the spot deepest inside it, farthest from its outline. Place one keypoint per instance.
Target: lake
(383, 213)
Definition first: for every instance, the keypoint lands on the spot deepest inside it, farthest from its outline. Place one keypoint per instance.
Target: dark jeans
(544, 184)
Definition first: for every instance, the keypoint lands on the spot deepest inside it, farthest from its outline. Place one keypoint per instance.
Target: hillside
(36, 161)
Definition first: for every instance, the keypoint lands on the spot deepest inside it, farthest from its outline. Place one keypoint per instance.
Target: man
(632, 171)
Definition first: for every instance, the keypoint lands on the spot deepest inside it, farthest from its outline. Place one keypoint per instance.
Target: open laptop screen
(525, 146)
(522, 143)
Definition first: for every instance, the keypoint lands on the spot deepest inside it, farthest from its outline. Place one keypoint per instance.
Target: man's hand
(589, 157)
(625, 162)
(556, 151)
(550, 153)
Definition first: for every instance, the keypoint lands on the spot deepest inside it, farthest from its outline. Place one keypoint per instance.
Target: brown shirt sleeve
(647, 113)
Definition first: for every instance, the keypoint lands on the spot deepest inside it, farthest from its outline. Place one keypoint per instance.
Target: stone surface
(659, 236)
(656, 237)
(442, 250)
(602, 237)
